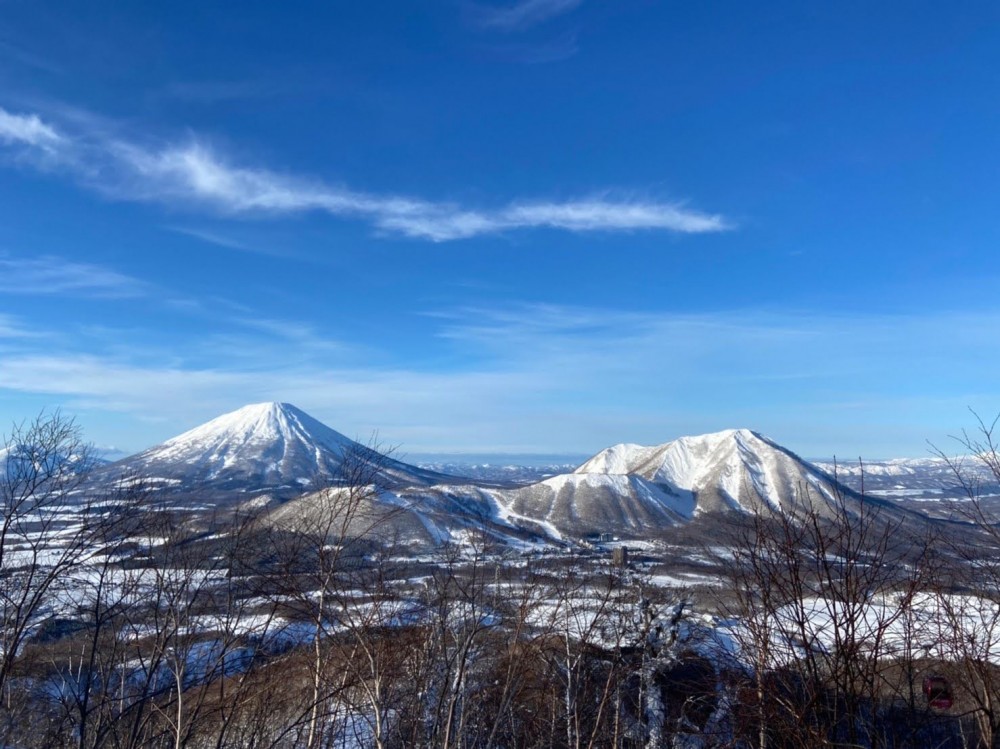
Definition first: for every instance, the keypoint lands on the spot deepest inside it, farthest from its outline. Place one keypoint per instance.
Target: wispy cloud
(213, 91)
(55, 275)
(535, 52)
(29, 130)
(24, 57)
(538, 377)
(299, 335)
(523, 14)
(194, 174)
(11, 327)
(730, 360)
(597, 214)
(401, 403)
(221, 240)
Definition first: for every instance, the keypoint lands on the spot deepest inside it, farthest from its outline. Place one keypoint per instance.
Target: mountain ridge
(278, 450)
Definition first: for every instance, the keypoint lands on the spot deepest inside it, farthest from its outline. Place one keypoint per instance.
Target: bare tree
(461, 614)
(45, 531)
(821, 593)
(87, 667)
(320, 548)
(968, 590)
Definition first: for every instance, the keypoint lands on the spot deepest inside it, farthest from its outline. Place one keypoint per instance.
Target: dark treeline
(127, 624)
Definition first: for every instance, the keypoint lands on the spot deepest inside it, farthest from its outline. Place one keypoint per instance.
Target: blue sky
(530, 226)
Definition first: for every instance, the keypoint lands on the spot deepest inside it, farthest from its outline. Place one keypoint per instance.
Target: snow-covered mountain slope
(893, 467)
(266, 447)
(429, 516)
(577, 504)
(274, 451)
(733, 469)
(930, 478)
(637, 490)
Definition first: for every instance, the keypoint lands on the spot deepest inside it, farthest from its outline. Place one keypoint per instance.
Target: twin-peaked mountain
(279, 450)
(634, 489)
(733, 469)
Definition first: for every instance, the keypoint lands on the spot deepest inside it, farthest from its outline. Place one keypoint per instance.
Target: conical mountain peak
(261, 423)
(262, 447)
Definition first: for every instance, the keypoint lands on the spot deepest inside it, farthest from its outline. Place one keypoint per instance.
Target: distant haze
(517, 459)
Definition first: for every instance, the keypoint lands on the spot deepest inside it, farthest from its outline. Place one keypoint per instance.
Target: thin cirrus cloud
(524, 14)
(535, 53)
(195, 175)
(54, 275)
(617, 374)
(12, 328)
(21, 56)
(680, 348)
(27, 130)
(212, 237)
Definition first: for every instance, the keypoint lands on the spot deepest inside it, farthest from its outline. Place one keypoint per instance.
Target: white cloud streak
(11, 328)
(54, 275)
(193, 174)
(594, 215)
(215, 238)
(524, 14)
(557, 378)
(24, 57)
(403, 404)
(28, 130)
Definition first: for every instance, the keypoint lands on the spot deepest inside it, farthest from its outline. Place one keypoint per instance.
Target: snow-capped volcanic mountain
(632, 489)
(272, 447)
(277, 450)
